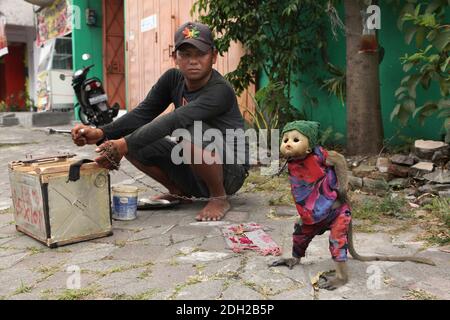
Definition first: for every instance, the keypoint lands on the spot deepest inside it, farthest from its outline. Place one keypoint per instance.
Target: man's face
(193, 63)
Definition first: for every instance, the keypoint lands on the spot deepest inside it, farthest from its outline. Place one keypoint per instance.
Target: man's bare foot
(215, 210)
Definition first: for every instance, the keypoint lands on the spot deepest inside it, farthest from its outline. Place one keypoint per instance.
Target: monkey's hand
(290, 262)
(339, 163)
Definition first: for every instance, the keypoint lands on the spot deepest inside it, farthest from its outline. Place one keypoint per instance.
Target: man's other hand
(113, 150)
(82, 135)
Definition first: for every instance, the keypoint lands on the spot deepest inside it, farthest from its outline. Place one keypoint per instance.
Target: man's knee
(198, 154)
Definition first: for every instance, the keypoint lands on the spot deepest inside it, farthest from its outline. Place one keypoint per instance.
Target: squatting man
(199, 93)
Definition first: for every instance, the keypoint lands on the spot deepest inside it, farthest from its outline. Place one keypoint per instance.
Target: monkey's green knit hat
(309, 129)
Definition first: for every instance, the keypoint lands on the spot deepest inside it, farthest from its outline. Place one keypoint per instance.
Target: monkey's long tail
(355, 255)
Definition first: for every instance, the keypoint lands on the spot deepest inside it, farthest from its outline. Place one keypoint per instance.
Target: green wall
(88, 39)
(330, 112)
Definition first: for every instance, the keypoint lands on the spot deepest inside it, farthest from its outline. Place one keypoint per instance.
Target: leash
(108, 153)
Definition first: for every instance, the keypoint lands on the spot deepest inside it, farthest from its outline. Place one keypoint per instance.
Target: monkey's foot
(330, 281)
(289, 262)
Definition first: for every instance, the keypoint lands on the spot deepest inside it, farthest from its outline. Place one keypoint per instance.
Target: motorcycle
(92, 99)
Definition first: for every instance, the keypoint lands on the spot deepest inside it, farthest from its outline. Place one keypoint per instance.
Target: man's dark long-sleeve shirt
(215, 104)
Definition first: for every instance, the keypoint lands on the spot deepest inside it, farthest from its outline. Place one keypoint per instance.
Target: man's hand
(111, 153)
(82, 135)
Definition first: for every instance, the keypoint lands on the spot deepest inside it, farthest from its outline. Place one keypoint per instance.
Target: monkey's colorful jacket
(313, 186)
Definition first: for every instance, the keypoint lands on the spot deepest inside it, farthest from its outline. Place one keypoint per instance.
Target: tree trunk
(364, 124)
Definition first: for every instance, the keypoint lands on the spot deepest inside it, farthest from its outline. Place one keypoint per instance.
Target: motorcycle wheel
(83, 117)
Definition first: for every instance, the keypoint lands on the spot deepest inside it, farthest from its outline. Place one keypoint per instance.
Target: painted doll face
(294, 144)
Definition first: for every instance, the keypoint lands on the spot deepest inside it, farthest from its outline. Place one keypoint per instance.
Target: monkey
(319, 184)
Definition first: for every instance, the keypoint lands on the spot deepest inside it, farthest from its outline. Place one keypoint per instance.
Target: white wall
(18, 12)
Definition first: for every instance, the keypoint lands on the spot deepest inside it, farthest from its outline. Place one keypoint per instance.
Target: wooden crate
(56, 211)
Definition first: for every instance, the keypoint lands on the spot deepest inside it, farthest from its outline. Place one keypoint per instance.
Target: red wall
(13, 74)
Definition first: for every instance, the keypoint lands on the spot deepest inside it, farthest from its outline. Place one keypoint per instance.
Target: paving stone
(137, 253)
(296, 294)
(149, 232)
(203, 256)
(9, 231)
(237, 216)
(10, 257)
(93, 252)
(54, 287)
(45, 259)
(201, 291)
(268, 282)
(215, 244)
(179, 238)
(120, 236)
(125, 283)
(14, 278)
(286, 211)
(238, 291)
(229, 266)
(24, 242)
(167, 277)
(102, 266)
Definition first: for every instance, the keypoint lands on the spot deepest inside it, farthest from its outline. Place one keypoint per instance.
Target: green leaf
(425, 81)
(407, 9)
(400, 90)
(403, 116)
(428, 20)
(410, 34)
(417, 11)
(401, 97)
(407, 66)
(412, 84)
(420, 36)
(425, 110)
(442, 40)
(432, 6)
(444, 104)
(431, 35)
(405, 80)
(396, 111)
(445, 64)
(409, 105)
(444, 114)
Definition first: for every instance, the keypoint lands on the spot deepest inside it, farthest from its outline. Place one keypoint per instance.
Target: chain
(108, 153)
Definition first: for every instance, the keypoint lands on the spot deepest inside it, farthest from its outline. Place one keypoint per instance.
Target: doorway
(13, 76)
(114, 51)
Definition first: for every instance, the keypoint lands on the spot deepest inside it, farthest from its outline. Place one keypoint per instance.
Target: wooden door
(114, 51)
(148, 52)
